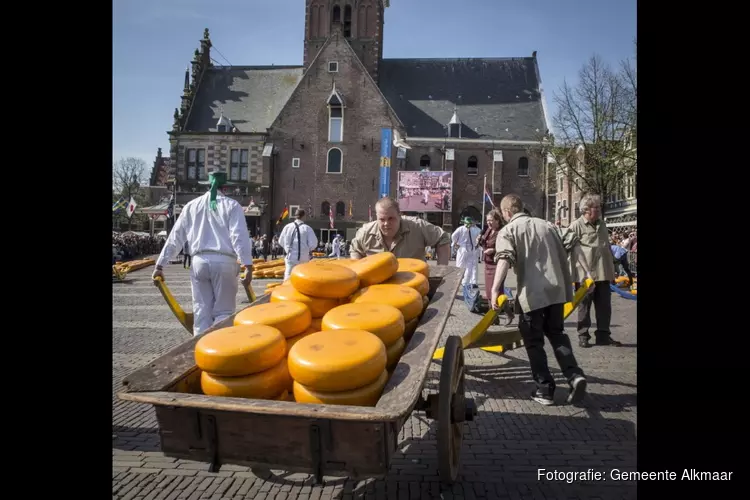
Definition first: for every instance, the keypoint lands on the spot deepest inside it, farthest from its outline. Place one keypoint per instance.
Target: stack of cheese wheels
(382, 320)
(404, 298)
(323, 285)
(318, 307)
(421, 267)
(245, 361)
(418, 282)
(292, 319)
(414, 265)
(375, 269)
(339, 367)
(324, 280)
(344, 262)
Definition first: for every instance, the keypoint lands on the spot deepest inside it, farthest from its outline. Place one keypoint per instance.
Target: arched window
(424, 162)
(314, 21)
(335, 116)
(362, 20)
(325, 209)
(334, 165)
(473, 213)
(348, 21)
(472, 166)
(340, 208)
(336, 17)
(523, 167)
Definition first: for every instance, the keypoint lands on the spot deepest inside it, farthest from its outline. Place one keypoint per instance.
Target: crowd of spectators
(132, 245)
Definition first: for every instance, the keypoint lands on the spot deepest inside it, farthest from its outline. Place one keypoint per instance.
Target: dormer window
(224, 124)
(454, 126)
(335, 116)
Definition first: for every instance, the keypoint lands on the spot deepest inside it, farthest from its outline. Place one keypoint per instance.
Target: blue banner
(386, 139)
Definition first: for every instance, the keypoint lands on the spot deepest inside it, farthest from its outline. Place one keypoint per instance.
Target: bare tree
(128, 174)
(594, 127)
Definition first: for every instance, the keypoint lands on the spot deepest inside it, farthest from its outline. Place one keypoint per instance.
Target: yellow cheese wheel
(290, 318)
(293, 340)
(394, 352)
(337, 360)
(264, 385)
(344, 262)
(411, 327)
(318, 307)
(240, 350)
(425, 302)
(405, 299)
(317, 324)
(364, 396)
(411, 279)
(324, 279)
(382, 320)
(375, 268)
(414, 265)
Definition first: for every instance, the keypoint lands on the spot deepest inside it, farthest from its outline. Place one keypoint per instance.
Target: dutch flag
(488, 198)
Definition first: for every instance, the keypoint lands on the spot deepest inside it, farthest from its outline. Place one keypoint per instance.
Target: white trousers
(291, 263)
(214, 280)
(468, 260)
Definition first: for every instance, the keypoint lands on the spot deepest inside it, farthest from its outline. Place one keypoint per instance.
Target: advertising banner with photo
(425, 191)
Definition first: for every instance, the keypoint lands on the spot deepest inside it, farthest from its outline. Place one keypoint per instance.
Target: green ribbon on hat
(217, 180)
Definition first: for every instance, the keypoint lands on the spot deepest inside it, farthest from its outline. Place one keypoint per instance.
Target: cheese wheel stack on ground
(268, 269)
(382, 320)
(339, 367)
(244, 361)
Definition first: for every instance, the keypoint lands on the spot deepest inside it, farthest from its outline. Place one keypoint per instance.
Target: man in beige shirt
(593, 236)
(405, 237)
(535, 251)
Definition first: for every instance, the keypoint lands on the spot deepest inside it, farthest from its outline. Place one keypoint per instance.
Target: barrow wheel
(452, 410)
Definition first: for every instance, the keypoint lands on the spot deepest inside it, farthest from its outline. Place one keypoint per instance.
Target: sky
(154, 40)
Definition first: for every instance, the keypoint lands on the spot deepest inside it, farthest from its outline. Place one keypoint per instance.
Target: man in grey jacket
(535, 251)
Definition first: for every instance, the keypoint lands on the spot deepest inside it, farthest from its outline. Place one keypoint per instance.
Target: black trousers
(547, 322)
(187, 261)
(602, 300)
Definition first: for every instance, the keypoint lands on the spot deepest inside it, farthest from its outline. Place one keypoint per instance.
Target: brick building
(309, 136)
(620, 207)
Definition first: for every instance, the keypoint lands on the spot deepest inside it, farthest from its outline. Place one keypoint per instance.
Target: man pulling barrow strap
(540, 262)
(214, 228)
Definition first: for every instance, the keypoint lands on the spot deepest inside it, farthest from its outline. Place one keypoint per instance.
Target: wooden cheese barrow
(323, 440)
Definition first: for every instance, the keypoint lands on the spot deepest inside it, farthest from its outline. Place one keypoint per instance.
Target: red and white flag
(330, 216)
(131, 207)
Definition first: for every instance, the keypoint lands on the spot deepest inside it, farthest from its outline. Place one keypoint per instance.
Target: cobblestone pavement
(504, 447)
